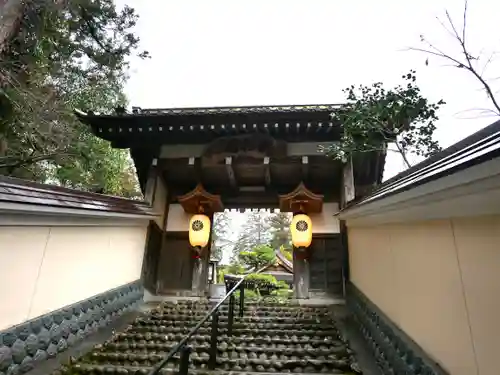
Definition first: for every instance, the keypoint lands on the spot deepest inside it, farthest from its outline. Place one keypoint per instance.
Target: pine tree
(253, 233)
(57, 56)
(259, 256)
(279, 224)
(220, 234)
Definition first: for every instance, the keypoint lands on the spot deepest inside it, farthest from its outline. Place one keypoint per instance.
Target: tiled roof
(137, 111)
(13, 190)
(285, 262)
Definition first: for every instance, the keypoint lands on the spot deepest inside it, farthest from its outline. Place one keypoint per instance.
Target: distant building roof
(284, 261)
(280, 263)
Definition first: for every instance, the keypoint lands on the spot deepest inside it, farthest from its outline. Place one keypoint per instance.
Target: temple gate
(238, 158)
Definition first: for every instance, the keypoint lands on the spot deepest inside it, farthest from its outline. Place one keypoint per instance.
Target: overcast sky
(271, 52)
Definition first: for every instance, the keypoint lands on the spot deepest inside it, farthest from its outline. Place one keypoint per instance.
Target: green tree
(373, 117)
(279, 226)
(254, 232)
(220, 235)
(258, 257)
(287, 252)
(58, 56)
(232, 269)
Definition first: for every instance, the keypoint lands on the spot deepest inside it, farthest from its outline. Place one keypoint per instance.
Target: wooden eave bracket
(200, 198)
(301, 197)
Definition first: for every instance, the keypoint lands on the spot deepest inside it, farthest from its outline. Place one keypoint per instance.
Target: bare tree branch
(468, 63)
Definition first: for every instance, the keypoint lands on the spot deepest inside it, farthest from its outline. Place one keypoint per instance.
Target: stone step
(263, 363)
(89, 369)
(269, 338)
(257, 340)
(241, 351)
(255, 306)
(246, 315)
(236, 324)
(239, 331)
(264, 301)
(295, 349)
(263, 308)
(250, 313)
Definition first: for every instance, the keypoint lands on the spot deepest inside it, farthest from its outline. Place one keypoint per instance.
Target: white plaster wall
(46, 268)
(325, 222)
(178, 220)
(438, 281)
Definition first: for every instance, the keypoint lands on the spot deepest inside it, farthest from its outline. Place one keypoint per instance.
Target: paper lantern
(199, 230)
(301, 229)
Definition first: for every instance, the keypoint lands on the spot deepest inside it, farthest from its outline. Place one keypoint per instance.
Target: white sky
(262, 52)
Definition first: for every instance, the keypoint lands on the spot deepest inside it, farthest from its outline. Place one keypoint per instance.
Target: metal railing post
(230, 316)
(233, 284)
(242, 300)
(212, 361)
(184, 365)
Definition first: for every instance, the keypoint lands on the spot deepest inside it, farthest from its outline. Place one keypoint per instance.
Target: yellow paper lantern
(301, 229)
(199, 230)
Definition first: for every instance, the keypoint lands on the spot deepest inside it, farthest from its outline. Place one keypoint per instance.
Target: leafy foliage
(374, 116)
(259, 278)
(232, 269)
(287, 252)
(265, 284)
(250, 295)
(259, 256)
(282, 294)
(220, 235)
(65, 55)
(254, 232)
(279, 226)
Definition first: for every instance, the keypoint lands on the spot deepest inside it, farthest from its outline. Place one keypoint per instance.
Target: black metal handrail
(234, 283)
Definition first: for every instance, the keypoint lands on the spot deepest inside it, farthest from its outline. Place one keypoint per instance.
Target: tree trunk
(11, 12)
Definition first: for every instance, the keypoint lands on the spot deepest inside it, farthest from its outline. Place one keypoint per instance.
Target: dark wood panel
(325, 264)
(175, 268)
(151, 257)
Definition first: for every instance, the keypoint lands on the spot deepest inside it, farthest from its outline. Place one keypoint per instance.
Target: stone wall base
(393, 350)
(24, 346)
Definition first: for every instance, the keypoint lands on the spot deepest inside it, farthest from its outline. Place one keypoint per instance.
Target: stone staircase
(271, 337)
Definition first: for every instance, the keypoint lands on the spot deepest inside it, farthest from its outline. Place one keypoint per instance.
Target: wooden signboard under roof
(199, 200)
(301, 200)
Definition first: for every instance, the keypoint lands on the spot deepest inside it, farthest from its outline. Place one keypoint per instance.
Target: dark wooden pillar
(156, 194)
(151, 257)
(301, 273)
(199, 286)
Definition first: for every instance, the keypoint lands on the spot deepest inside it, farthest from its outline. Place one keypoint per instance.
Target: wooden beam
(151, 181)
(230, 171)
(305, 167)
(195, 168)
(293, 149)
(267, 171)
